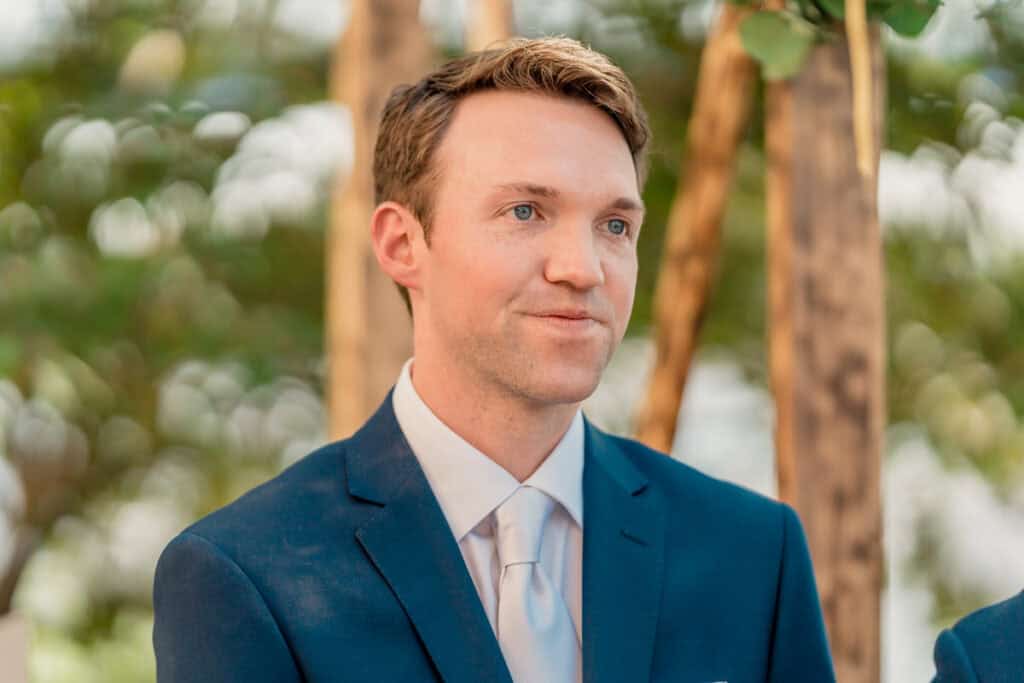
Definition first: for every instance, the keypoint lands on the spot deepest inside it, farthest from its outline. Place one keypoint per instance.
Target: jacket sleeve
(799, 644)
(952, 665)
(210, 621)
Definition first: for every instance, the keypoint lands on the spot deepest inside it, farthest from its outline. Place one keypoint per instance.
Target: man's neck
(516, 435)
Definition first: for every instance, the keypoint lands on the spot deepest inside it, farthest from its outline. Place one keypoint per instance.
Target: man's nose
(573, 256)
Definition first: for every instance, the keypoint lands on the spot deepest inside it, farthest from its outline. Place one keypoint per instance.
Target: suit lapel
(623, 553)
(411, 545)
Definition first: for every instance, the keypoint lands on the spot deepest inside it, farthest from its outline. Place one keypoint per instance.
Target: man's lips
(576, 316)
(574, 313)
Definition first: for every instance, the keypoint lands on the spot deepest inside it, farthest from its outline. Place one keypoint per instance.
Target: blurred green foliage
(780, 39)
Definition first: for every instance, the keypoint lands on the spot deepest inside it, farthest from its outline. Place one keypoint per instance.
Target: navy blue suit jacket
(986, 646)
(343, 568)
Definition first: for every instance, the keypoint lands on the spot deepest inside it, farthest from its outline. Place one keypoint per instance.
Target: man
(986, 646)
(478, 528)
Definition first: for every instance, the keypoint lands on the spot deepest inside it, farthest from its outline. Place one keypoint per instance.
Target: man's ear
(395, 233)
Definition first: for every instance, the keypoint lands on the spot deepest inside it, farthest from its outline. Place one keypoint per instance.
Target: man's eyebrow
(622, 203)
(627, 204)
(530, 188)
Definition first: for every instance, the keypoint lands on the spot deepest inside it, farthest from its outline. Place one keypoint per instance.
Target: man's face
(528, 283)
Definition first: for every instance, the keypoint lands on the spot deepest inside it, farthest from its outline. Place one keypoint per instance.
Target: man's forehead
(507, 115)
(551, 143)
(501, 97)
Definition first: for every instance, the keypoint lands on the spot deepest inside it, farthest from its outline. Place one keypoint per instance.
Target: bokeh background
(165, 173)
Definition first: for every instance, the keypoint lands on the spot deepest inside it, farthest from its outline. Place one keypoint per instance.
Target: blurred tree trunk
(720, 115)
(369, 334)
(827, 332)
(490, 21)
(51, 487)
(25, 542)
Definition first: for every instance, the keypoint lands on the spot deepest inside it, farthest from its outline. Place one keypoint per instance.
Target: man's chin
(564, 388)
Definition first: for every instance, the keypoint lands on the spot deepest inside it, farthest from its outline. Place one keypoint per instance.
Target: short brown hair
(416, 117)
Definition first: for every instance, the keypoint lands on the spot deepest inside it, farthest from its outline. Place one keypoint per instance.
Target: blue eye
(523, 212)
(617, 226)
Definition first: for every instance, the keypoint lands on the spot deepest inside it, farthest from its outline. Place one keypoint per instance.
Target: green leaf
(835, 8)
(778, 40)
(876, 8)
(909, 17)
(10, 354)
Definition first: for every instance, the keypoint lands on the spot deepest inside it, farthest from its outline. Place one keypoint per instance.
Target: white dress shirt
(469, 486)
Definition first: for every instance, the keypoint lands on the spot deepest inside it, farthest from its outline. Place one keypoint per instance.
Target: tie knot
(520, 525)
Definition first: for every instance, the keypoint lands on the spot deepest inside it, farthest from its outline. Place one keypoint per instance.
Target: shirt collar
(469, 485)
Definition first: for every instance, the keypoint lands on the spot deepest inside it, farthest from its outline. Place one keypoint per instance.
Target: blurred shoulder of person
(986, 646)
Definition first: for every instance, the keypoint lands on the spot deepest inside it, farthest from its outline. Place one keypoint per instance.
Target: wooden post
(827, 330)
(489, 22)
(719, 120)
(368, 333)
(26, 541)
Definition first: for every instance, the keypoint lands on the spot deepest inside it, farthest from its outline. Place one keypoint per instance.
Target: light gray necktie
(535, 631)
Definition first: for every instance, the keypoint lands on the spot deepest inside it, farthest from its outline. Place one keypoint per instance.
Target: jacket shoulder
(294, 498)
(1003, 617)
(736, 556)
(992, 637)
(714, 516)
(678, 482)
